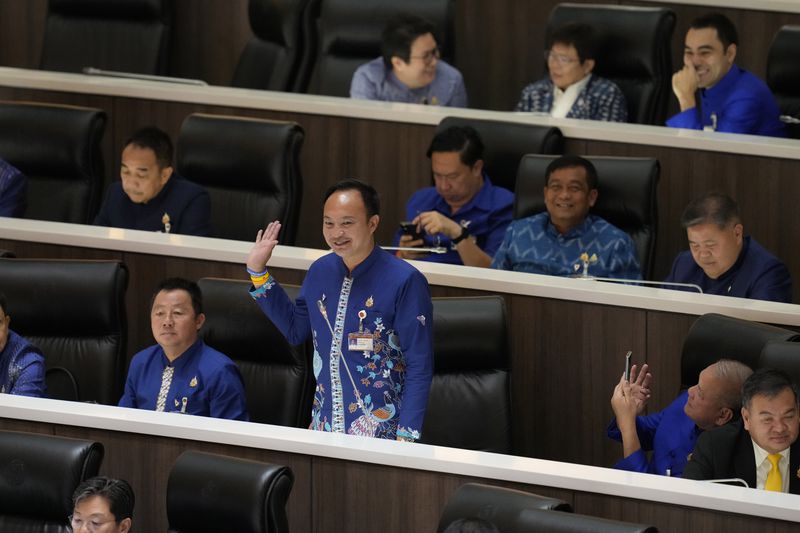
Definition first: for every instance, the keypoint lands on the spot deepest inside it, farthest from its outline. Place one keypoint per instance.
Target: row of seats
(315, 46)
(205, 493)
(250, 167)
(85, 351)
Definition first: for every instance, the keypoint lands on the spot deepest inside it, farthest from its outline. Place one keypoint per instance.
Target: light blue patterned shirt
(534, 245)
(372, 82)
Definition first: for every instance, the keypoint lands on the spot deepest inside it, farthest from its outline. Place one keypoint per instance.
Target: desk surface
(295, 258)
(407, 456)
(394, 112)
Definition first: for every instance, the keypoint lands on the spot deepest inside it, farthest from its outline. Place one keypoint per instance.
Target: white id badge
(359, 342)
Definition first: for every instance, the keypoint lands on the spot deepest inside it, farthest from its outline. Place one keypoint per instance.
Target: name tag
(359, 342)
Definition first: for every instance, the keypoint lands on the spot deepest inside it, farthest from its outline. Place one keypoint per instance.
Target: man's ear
(588, 66)
(201, 319)
(477, 168)
(746, 418)
(593, 197)
(724, 416)
(125, 526)
(373, 222)
(730, 53)
(166, 173)
(398, 63)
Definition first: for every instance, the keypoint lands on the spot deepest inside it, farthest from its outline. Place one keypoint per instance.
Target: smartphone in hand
(628, 365)
(409, 228)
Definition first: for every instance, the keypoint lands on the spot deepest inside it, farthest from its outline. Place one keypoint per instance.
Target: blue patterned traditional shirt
(534, 245)
(21, 368)
(600, 99)
(371, 81)
(380, 387)
(13, 188)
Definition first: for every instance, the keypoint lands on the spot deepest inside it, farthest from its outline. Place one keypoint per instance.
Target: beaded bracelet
(259, 280)
(254, 273)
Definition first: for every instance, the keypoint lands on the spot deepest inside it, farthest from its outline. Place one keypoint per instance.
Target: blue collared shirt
(187, 207)
(756, 274)
(486, 216)
(205, 383)
(379, 390)
(21, 368)
(741, 103)
(13, 190)
(371, 81)
(534, 245)
(600, 99)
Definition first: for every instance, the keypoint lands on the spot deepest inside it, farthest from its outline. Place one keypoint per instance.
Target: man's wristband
(256, 274)
(464, 235)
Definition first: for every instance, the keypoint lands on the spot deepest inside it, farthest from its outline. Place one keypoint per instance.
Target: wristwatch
(464, 235)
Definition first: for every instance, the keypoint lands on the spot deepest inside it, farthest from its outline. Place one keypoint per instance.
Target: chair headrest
(470, 333)
(783, 70)
(782, 355)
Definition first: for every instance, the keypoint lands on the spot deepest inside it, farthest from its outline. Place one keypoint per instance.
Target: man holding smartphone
(463, 213)
(671, 433)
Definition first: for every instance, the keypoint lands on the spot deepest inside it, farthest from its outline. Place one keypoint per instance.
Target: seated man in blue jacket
(150, 196)
(731, 99)
(671, 434)
(722, 260)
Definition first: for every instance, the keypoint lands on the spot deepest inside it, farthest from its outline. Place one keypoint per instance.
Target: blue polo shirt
(756, 274)
(13, 190)
(486, 215)
(741, 102)
(534, 245)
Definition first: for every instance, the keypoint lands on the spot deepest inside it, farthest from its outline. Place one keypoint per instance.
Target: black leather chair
(714, 337)
(627, 197)
(783, 74)
(272, 57)
(506, 142)
(634, 52)
(39, 475)
(211, 493)
(498, 505)
(123, 35)
(540, 521)
(782, 355)
(469, 404)
(250, 168)
(58, 148)
(347, 33)
(277, 376)
(74, 311)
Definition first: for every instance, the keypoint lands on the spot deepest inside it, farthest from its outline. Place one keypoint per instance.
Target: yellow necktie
(774, 480)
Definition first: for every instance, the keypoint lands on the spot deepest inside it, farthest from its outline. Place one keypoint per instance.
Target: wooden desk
(568, 336)
(356, 484)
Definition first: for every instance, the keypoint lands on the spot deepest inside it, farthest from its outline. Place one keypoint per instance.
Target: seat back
(250, 168)
(498, 505)
(123, 35)
(74, 311)
(58, 148)
(634, 51)
(277, 376)
(783, 74)
(713, 337)
(471, 375)
(272, 57)
(506, 142)
(61, 384)
(782, 355)
(541, 521)
(627, 197)
(211, 493)
(348, 34)
(39, 475)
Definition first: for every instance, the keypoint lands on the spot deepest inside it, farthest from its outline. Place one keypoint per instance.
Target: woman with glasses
(571, 90)
(410, 69)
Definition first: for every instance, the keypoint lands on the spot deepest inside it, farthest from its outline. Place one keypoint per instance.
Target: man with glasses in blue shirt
(571, 90)
(409, 69)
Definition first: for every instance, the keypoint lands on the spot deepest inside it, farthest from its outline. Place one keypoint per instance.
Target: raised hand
(261, 252)
(640, 387)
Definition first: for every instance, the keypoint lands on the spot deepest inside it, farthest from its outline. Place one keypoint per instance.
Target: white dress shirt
(564, 99)
(763, 466)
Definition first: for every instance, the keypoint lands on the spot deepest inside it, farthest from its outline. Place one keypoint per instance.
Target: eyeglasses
(91, 525)
(429, 56)
(560, 58)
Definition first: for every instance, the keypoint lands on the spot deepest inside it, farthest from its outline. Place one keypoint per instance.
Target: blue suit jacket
(671, 436)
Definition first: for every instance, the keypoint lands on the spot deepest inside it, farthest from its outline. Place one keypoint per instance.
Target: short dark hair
(711, 208)
(156, 140)
(572, 161)
(767, 382)
(117, 491)
(368, 194)
(726, 31)
(578, 34)
(400, 33)
(462, 139)
(181, 284)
